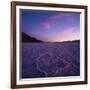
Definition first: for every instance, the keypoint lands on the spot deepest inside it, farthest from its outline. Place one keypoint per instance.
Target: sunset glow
(50, 26)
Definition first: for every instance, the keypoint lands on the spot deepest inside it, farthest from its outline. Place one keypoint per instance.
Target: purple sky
(51, 26)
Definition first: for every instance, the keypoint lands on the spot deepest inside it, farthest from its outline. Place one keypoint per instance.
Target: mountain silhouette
(27, 38)
(74, 41)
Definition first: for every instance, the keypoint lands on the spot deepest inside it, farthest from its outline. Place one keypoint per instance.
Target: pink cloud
(46, 25)
(70, 34)
(71, 20)
(49, 23)
(66, 35)
(61, 15)
(70, 31)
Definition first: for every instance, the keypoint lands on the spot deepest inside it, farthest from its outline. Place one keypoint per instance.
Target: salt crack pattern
(50, 60)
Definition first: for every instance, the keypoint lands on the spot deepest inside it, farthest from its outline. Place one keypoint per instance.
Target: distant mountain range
(27, 38)
(74, 41)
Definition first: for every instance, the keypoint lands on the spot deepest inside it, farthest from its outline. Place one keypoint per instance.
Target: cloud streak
(46, 25)
(52, 21)
(66, 35)
(61, 15)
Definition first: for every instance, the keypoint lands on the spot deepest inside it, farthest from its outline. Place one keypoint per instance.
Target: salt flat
(50, 59)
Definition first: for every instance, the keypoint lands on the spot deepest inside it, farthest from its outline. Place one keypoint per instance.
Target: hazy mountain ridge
(27, 38)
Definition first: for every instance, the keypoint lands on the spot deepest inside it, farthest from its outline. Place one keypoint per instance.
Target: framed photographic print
(48, 44)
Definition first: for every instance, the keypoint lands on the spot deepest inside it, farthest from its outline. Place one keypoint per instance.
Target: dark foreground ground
(50, 59)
